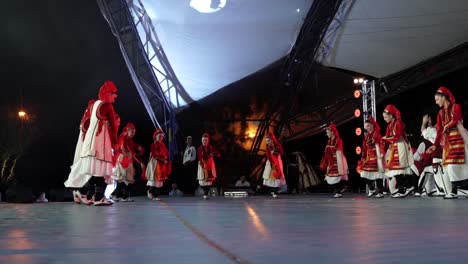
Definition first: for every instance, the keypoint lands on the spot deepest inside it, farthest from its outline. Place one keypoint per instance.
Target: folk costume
(452, 138)
(399, 156)
(92, 167)
(273, 174)
(334, 161)
(372, 164)
(206, 173)
(126, 153)
(158, 169)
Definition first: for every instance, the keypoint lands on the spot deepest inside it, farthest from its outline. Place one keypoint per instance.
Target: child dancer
(399, 156)
(372, 166)
(206, 166)
(157, 169)
(334, 161)
(126, 153)
(273, 175)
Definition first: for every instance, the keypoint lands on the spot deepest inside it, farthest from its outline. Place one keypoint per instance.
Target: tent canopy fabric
(211, 44)
(381, 37)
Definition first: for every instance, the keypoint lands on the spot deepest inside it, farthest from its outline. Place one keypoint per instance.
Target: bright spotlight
(206, 6)
(361, 80)
(356, 81)
(22, 114)
(357, 113)
(357, 94)
(358, 150)
(358, 131)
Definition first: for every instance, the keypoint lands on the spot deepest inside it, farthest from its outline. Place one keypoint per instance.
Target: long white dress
(95, 153)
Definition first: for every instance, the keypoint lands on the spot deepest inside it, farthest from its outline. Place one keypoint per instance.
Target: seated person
(242, 182)
(175, 191)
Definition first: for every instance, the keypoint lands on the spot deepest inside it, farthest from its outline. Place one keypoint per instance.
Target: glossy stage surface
(291, 229)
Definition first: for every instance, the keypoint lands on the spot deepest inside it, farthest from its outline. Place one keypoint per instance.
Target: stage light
(356, 81)
(205, 6)
(358, 131)
(357, 113)
(357, 94)
(298, 10)
(358, 150)
(22, 114)
(361, 80)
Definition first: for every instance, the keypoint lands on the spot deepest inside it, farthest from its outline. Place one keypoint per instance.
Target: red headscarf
(333, 129)
(107, 87)
(158, 131)
(128, 126)
(273, 157)
(376, 125)
(391, 109)
(443, 90)
(275, 142)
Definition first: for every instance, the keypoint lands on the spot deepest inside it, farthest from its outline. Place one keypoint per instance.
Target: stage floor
(292, 229)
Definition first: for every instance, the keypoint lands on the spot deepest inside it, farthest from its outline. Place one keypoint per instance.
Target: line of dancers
(102, 158)
(437, 166)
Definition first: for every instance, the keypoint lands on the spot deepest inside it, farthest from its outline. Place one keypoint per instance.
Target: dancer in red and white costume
(334, 161)
(372, 165)
(157, 171)
(92, 167)
(126, 153)
(399, 156)
(273, 175)
(452, 137)
(206, 174)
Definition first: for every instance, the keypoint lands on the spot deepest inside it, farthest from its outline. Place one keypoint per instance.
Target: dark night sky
(59, 53)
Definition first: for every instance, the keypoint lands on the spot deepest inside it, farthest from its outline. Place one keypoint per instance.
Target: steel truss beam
(295, 70)
(134, 52)
(443, 64)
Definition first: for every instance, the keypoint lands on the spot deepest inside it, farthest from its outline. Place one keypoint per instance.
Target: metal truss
(342, 110)
(443, 64)
(295, 70)
(172, 87)
(135, 53)
(333, 30)
(368, 100)
(315, 31)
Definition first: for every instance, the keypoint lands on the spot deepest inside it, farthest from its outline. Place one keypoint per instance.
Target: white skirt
(122, 174)
(201, 175)
(87, 167)
(372, 175)
(332, 180)
(270, 181)
(150, 168)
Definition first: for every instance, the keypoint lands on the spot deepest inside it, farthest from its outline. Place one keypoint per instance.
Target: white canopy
(211, 44)
(382, 37)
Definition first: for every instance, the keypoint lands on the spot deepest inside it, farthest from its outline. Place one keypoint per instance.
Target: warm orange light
(358, 150)
(22, 114)
(251, 133)
(357, 94)
(358, 131)
(357, 113)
